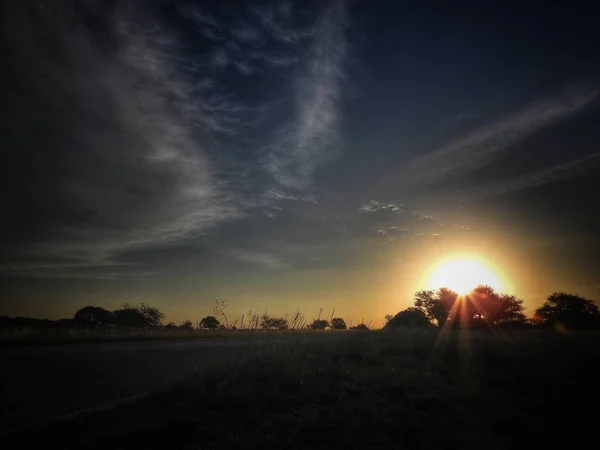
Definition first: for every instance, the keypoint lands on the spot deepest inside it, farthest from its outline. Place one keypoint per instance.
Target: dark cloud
(115, 128)
(107, 141)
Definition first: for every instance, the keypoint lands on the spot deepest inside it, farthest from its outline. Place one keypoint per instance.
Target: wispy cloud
(264, 259)
(277, 194)
(143, 134)
(249, 34)
(126, 133)
(311, 137)
(533, 179)
(375, 205)
(481, 145)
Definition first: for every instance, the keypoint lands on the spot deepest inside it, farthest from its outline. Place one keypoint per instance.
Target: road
(42, 383)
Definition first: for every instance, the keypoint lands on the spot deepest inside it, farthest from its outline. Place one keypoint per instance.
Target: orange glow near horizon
(463, 273)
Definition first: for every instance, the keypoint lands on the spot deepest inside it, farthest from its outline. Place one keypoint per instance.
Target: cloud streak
(263, 259)
(533, 179)
(481, 145)
(310, 138)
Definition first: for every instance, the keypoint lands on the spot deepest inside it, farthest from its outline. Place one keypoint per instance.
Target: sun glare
(462, 275)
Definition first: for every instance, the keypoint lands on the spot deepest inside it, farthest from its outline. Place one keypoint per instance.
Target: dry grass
(363, 390)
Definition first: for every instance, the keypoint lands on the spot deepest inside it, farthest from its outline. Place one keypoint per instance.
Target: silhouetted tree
(360, 327)
(170, 326)
(187, 325)
(481, 307)
(93, 316)
(436, 304)
(337, 323)
(152, 316)
(129, 317)
(494, 308)
(143, 316)
(319, 324)
(410, 317)
(209, 322)
(273, 323)
(571, 311)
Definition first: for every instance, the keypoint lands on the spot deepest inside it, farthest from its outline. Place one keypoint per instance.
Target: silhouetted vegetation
(436, 304)
(410, 317)
(209, 323)
(337, 323)
(93, 316)
(481, 307)
(319, 324)
(273, 323)
(568, 311)
(143, 316)
(187, 325)
(420, 388)
(7, 322)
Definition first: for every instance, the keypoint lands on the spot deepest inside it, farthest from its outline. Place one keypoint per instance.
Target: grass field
(364, 390)
(75, 336)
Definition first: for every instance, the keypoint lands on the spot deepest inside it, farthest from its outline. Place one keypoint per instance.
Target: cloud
(248, 44)
(478, 147)
(536, 178)
(125, 134)
(248, 34)
(311, 137)
(264, 259)
(392, 221)
(281, 60)
(109, 135)
(276, 22)
(375, 205)
(276, 194)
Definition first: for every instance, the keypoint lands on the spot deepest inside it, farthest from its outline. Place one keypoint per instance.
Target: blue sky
(294, 154)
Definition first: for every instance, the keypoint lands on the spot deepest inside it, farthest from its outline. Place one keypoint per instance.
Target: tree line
(141, 316)
(484, 307)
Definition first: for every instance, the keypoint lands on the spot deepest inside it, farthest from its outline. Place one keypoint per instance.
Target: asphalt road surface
(42, 383)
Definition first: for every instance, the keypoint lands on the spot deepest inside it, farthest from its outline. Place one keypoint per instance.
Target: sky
(294, 155)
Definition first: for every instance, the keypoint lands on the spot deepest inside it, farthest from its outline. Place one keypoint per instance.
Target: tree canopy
(337, 323)
(187, 325)
(210, 322)
(142, 316)
(152, 316)
(410, 317)
(129, 317)
(482, 306)
(436, 304)
(570, 311)
(273, 323)
(93, 316)
(319, 324)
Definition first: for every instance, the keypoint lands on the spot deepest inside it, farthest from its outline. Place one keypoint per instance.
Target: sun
(462, 275)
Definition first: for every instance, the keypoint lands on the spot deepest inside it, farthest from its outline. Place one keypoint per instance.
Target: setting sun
(462, 275)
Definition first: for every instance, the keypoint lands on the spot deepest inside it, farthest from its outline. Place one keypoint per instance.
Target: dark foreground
(367, 390)
(42, 382)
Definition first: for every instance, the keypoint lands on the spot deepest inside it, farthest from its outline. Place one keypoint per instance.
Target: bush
(410, 317)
